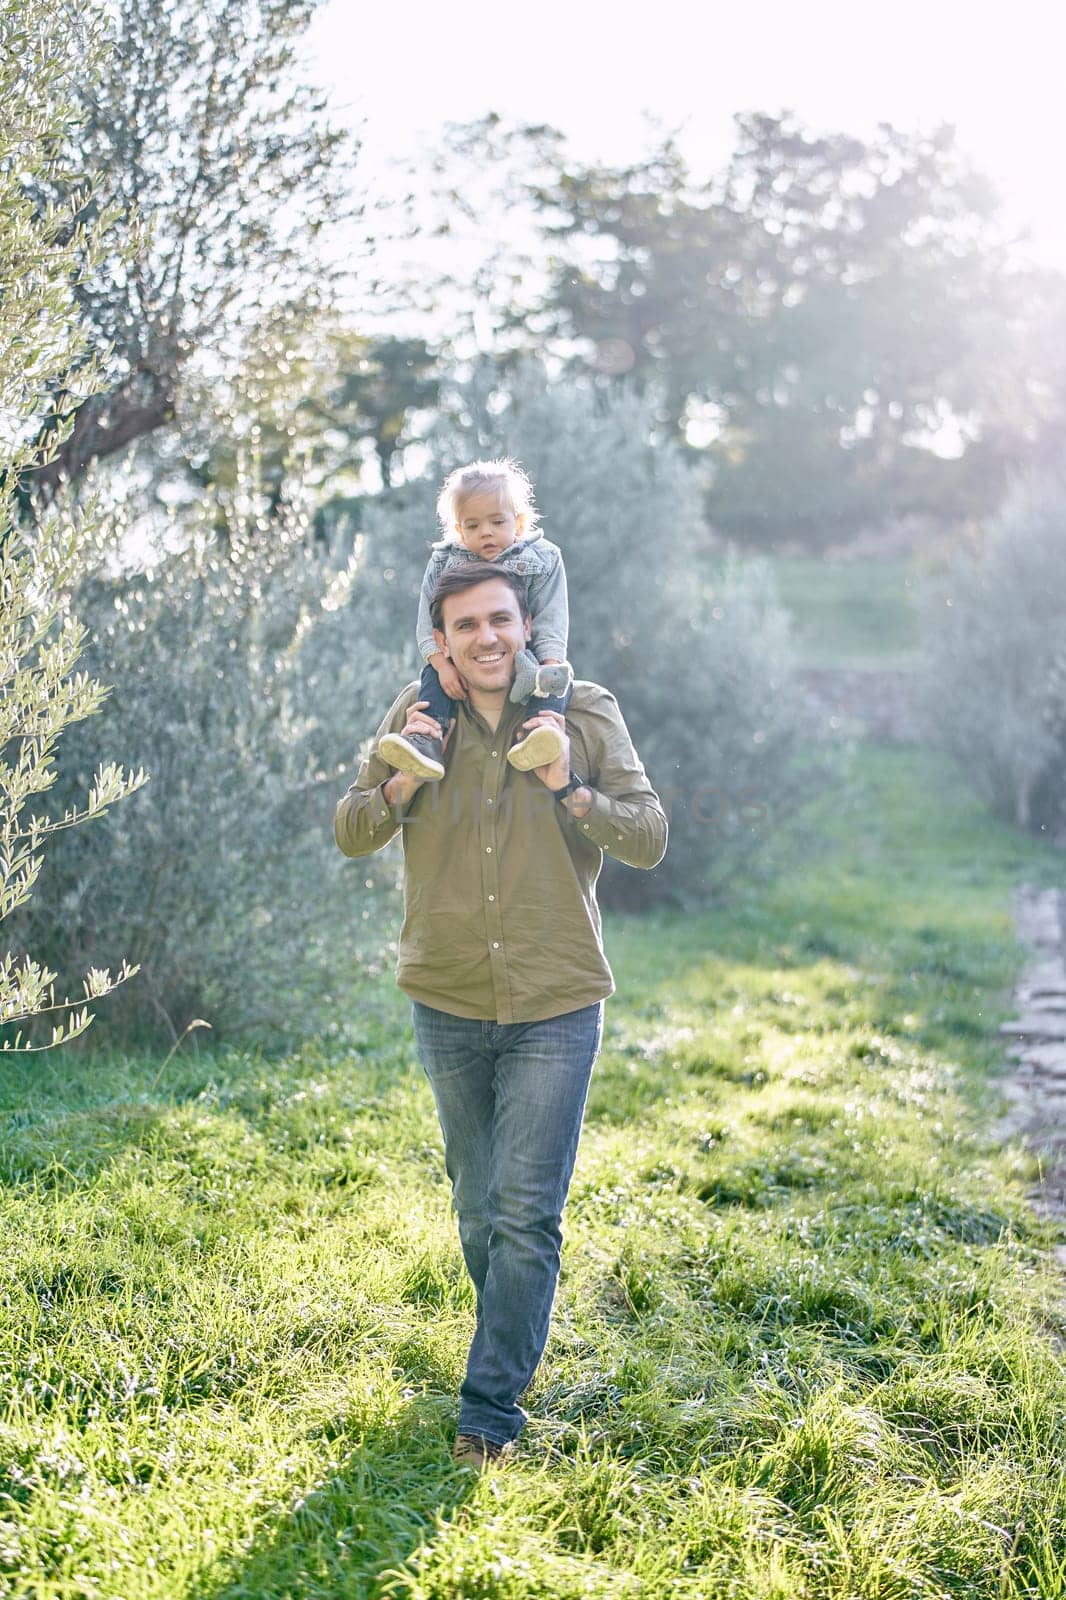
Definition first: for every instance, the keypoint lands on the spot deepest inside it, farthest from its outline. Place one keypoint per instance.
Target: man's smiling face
(483, 632)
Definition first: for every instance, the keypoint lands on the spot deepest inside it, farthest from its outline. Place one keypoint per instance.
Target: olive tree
(198, 129)
(994, 678)
(246, 667)
(42, 351)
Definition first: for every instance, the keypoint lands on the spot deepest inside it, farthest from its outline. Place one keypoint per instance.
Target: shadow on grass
(69, 1149)
(361, 1523)
(61, 1131)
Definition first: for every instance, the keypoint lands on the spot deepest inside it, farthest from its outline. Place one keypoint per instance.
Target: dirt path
(1036, 1087)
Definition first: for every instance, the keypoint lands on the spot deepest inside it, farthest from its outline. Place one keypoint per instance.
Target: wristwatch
(568, 788)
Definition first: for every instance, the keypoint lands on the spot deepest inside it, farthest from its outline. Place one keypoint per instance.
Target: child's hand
(453, 685)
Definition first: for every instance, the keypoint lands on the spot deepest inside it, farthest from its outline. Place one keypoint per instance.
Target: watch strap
(568, 788)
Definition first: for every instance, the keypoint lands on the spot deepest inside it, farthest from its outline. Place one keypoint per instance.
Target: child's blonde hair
(502, 473)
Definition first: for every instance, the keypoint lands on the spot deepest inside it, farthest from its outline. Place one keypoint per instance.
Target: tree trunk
(103, 426)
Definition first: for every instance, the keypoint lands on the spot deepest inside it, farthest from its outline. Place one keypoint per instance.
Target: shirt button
(488, 802)
(585, 826)
(495, 944)
(495, 753)
(492, 897)
(488, 849)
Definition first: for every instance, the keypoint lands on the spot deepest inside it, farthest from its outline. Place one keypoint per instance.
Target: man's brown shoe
(473, 1450)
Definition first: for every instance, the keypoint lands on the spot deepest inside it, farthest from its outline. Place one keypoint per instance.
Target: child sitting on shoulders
(486, 513)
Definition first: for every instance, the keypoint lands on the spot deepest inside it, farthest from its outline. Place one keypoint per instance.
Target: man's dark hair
(467, 575)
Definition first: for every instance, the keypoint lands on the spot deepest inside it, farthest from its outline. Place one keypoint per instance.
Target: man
(502, 956)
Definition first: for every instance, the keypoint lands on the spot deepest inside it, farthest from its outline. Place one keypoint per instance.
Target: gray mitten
(525, 676)
(555, 679)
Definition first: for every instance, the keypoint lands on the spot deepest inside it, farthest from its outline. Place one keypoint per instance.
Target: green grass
(804, 1344)
(850, 613)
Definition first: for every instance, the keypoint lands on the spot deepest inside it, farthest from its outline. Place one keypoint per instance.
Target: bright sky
(590, 69)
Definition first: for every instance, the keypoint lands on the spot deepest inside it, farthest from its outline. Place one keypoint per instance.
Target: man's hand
(402, 786)
(451, 681)
(557, 775)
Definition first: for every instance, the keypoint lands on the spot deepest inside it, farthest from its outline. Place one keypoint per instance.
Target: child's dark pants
(442, 708)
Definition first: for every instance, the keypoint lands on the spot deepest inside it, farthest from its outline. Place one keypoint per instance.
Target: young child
(486, 513)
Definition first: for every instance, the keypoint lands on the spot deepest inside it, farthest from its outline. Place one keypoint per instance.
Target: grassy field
(850, 613)
(805, 1340)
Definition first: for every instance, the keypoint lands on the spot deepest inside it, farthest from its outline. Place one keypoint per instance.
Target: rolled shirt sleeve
(626, 817)
(364, 821)
(632, 831)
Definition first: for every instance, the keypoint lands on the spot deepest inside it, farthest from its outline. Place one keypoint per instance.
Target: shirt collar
(511, 715)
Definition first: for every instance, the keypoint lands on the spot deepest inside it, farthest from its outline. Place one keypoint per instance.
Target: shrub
(237, 673)
(42, 348)
(994, 663)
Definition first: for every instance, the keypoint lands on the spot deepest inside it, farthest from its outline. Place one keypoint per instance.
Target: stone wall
(1035, 1088)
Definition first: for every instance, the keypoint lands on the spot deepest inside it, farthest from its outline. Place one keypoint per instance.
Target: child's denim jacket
(539, 564)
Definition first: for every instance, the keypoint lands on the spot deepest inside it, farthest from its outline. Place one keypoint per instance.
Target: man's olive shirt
(500, 914)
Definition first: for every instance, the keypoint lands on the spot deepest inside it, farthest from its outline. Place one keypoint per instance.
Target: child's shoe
(539, 748)
(531, 679)
(417, 753)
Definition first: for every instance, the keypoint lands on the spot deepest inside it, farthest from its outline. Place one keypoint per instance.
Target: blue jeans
(510, 1099)
(442, 706)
